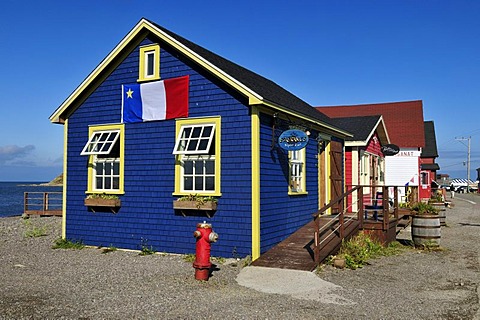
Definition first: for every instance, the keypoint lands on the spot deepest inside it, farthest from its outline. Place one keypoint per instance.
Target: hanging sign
(390, 149)
(293, 139)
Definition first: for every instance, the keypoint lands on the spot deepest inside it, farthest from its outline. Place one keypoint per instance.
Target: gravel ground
(38, 282)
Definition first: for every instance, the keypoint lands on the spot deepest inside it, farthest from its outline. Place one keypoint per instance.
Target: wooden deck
(296, 251)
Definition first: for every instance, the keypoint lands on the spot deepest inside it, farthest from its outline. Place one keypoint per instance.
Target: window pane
(108, 168)
(210, 167)
(210, 183)
(105, 147)
(108, 184)
(192, 146)
(188, 167)
(203, 144)
(188, 183)
(98, 183)
(186, 132)
(116, 183)
(207, 130)
(196, 132)
(150, 63)
(198, 167)
(116, 168)
(198, 183)
(99, 168)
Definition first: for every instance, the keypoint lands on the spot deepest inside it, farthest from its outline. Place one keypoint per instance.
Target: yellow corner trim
(64, 195)
(255, 124)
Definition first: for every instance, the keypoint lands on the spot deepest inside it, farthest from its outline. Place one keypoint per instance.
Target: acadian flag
(159, 100)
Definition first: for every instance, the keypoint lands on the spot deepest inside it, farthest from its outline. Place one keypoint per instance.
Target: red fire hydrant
(205, 236)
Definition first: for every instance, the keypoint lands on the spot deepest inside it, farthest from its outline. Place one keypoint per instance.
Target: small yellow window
(149, 66)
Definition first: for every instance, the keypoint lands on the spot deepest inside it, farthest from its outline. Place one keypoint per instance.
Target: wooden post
(316, 249)
(361, 211)
(45, 202)
(386, 213)
(395, 201)
(25, 202)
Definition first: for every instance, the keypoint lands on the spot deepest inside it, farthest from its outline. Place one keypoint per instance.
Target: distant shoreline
(45, 184)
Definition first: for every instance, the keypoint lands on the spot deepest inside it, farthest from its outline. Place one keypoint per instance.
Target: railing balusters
(42, 203)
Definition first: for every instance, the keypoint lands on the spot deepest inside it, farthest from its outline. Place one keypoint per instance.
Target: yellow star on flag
(129, 93)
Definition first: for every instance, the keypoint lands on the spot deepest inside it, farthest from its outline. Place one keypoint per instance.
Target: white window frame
(185, 140)
(100, 142)
(205, 177)
(112, 177)
(297, 183)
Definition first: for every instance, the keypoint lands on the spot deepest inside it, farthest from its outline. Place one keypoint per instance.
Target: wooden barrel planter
(426, 230)
(442, 212)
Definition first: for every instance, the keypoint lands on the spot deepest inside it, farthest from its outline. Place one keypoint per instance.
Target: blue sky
(325, 52)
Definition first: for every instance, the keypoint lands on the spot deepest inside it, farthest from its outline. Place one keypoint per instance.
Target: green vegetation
(189, 258)
(422, 208)
(57, 181)
(200, 200)
(61, 243)
(145, 249)
(33, 231)
(360, 249)
(102, 196)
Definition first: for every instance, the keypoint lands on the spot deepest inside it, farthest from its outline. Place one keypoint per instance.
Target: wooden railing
(43, 203)
(351, 206)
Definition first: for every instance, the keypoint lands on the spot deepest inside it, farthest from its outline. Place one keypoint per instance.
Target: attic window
(101, 142)
(194, 139)
(149, 64)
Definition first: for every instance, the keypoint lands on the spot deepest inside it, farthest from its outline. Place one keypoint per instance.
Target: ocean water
(12, 195)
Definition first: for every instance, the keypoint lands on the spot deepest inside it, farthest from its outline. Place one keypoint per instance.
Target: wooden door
(336, 172)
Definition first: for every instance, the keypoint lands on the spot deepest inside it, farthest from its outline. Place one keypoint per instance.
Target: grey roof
(268, 89)
(430, 149)
(361, 127)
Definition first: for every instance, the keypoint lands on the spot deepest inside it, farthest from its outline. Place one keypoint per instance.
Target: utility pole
(468, 155)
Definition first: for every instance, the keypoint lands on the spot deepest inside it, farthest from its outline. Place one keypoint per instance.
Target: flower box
(101, 202)
(194, 205)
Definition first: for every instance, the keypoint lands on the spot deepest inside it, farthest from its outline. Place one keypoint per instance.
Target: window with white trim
(105, 149)
(197, 161)
(297, 171)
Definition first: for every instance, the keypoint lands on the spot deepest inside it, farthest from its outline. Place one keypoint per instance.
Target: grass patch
(67, 244)
(145, 249)
(360, 249)
(189, 257)
(33, 231)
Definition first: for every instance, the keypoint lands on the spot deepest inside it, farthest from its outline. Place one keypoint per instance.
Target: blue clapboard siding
(146, 216)
(283, 214)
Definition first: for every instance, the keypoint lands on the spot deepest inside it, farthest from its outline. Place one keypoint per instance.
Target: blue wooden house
(217, 137)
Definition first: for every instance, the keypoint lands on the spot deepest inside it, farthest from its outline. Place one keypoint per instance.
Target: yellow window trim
(91, 130)
(218, 133)
(142, 76)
